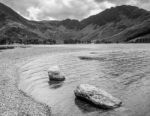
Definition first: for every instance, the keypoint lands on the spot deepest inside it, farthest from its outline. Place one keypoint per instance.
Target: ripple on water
(122, 73)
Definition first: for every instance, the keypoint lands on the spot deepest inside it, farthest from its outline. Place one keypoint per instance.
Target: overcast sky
(62, 9)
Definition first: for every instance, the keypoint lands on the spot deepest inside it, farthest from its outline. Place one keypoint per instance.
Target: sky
(63, 9)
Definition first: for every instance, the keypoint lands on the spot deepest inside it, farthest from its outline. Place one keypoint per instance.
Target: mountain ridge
(117, 24)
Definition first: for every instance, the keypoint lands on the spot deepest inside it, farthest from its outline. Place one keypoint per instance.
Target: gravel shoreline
(131, 87)
(14, 102)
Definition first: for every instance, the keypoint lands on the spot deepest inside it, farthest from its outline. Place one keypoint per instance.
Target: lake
(121, 69)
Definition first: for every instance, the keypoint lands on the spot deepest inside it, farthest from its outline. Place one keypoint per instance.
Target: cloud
(100, 7)
(138, 3)
(33, 13)
(62, 9)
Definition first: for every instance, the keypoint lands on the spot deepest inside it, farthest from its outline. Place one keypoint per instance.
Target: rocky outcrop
(54, 74)
(97, 96)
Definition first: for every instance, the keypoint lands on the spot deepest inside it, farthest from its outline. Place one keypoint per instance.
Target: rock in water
(97, 96)
(54, 74)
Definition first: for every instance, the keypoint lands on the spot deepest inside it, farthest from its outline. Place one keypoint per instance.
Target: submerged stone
(54, 74)
(97, 96)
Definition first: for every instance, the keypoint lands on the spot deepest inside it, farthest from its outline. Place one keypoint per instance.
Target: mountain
(109, 24)
(16, 29)
(116, 15)
(118, 24)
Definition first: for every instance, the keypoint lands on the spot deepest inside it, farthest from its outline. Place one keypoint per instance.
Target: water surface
(122, 70)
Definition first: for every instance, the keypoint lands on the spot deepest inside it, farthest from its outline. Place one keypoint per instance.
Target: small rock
(54, 74)
(97, 96)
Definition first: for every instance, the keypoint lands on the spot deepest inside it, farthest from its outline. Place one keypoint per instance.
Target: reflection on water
(55, 84)
(123, 71)
(86, 107)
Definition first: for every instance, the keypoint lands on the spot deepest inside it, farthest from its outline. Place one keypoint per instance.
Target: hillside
(119, 24)
(112, 22)
(16, 29)
(116, 14)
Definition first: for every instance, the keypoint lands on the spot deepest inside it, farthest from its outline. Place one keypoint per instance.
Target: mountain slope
(16, 29)
(119, 24)
(133, 34)
(111, 22)
(7, 14)
(116, 15)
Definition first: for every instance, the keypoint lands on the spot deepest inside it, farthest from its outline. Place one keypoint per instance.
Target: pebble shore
(14, 102)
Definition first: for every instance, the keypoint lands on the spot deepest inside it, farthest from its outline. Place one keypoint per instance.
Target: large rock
(54, 74)
(97, 96)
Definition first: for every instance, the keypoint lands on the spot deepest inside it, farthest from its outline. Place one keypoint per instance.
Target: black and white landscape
(120, 24)
(74, 58)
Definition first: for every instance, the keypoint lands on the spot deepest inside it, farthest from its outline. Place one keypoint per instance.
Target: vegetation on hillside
(118, 24)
